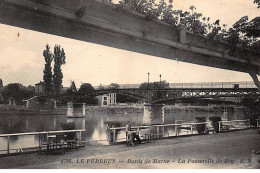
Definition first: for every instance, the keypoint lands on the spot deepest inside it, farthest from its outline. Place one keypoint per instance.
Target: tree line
(17, 91)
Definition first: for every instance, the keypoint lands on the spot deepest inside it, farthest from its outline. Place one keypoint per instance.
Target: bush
(69, 126)
(200, 127)
(215, 121)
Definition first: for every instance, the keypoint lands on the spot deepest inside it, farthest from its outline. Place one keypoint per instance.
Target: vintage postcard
(129, 84)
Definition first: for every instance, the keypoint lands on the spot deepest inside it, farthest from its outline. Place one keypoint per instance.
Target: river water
(94, 124)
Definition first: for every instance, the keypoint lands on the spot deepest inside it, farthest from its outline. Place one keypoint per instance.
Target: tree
(59, 60)
(243, 39)
(156, 85)
(72, 87)
(18, 92)
(47, 72)
(121, 98)
(114, 86)
(1, 83)
(101, 87)
(257, 2)
(251, 109)
(12, 90)
(87, 87)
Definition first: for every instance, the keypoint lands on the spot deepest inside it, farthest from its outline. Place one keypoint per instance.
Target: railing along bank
(182, 129)
(39, 134)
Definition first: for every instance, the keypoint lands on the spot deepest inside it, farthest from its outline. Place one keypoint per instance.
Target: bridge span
(168, 94)
(103, 23)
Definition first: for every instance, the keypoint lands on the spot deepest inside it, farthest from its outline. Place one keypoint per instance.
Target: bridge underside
(103, 24)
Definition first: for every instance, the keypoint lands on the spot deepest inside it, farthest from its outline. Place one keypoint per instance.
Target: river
(94, 124)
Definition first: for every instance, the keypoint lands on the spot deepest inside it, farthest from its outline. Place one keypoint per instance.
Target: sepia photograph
(129, 84)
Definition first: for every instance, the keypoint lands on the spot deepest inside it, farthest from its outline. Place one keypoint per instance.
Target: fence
(39, 134)
(160, 129)
(189, 127)
(234, 124)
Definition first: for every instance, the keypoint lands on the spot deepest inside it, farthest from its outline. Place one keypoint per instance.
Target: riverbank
(62, 110)
(167, 109)
(220, 150)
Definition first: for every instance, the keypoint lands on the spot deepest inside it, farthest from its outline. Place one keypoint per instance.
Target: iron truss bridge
(164, 95)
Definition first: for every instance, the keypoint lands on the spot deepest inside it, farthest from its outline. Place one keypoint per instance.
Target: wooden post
(176, 130)
(39, 142)
(114, 135)
(8, 144)
(163, 130)
(158, 131)
(191, 129)
(79, 137)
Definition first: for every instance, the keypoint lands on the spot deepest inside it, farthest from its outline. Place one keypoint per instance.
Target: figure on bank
(131, 135)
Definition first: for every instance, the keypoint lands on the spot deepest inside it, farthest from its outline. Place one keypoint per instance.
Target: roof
(40, 83)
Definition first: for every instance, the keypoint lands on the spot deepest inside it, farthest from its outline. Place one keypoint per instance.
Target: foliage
(114, 86)
(68, 126)
(101, 87)
(200, 127)
(251, 109)
(47, 72)
(243, 38)
(18, 92)
(156, 85)
(215, 121)
(257, 2)
(87, 87)
(72, 87)
(163, 11)
(1, 83)
(121, 98)
(59, 60)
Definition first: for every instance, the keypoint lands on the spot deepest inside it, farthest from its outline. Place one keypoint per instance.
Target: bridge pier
(153, 113)
(72, 110)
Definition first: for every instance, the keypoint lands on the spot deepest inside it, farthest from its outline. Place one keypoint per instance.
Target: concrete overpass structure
(102, 23)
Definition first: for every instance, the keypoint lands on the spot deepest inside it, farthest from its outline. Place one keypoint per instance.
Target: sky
(21, 57)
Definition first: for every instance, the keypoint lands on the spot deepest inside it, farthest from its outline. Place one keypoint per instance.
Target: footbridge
(169, 94)
(103, 23)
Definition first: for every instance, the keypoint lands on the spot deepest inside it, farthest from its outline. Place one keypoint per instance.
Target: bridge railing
(36, 134)
(244, 84)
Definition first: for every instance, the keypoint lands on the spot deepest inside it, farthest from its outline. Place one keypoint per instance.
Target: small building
(40, 88)
(108, 99)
